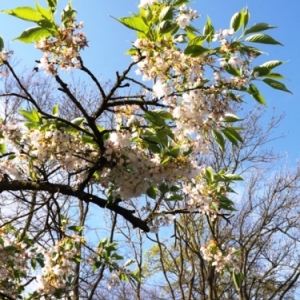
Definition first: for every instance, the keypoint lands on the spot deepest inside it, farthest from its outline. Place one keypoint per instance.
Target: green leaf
(231, 118)
(76, 228)
(208, 30)
(116, 256)
(135, 23)
(219, 139)
(46, 13)
(77, 258)
(55, 110)
(167, 26)
(52, 3)
(155, 118)
(174, 197)
(276, 85)
(233, 177)
(2, 148)
(180, 2)
(152, 192)
(232, 135)
(195, 50)
(246, 17)
(32, 116)
(25, 13)
(163, 138)
(275, 75)
(174, 151)
(129, 262)
(255, 93)
(1, 43)
(165, 115)
(231, 70)
(78, 121)
(166, 13)
(163, 188)
(33, 263)
(33, 34)
(237, 21)
(209, 175)
(272, 64)
(262, 39)
(198, 40)
(40, 260)
(68, 15)
(237, 280)
(260, 71)
(258, 27)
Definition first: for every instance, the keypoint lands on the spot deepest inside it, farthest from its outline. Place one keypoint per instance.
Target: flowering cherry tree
(133, 153)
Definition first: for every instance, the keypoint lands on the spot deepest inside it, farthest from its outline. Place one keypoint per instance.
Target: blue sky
(108, 40)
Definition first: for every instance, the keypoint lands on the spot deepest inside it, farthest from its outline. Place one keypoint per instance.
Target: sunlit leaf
(135, 23)
(33, 34)
(262, 39)
(25, 13)
(255, 93)
(276, 85)
(237, 21)
(259, 27)
(219, 139)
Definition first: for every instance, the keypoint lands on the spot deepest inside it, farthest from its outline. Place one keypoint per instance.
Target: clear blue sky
(108, 40)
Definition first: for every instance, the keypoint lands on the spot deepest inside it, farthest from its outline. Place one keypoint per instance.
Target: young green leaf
(262, 39)
(198, 40)
(195, 50)
(78, 121)
(232, 135)
(25, 13)
(152, 192)
(55, 110)
(276, 85)
(258, 28)
(272, 64)
(76, 228)
(275, 75)
(33, 34)
(1, 43)
(255, 93)
(46, 13)
(246, 17)
(52, 3)
(32, 116)
(231, 118)
(2, 148)
(237, 21)
(208, 30)
(219, 139)
(166, 13)
(135, 23)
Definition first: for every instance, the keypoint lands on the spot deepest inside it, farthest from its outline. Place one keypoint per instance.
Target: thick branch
(21, 185)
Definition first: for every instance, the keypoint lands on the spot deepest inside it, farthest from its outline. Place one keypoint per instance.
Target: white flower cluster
(132, 171)
(63, 51)
(52, 147)
(145, 3)
(212, 253)
(186, 16)
(58, 265)
(13, 263)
